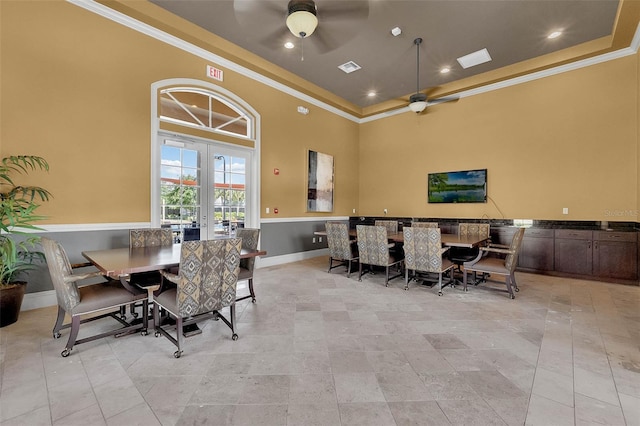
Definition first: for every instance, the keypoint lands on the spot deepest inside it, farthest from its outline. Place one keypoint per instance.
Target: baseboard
(42, 299)
(265, 262)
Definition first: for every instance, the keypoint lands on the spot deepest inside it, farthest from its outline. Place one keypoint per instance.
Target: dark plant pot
(10, 302)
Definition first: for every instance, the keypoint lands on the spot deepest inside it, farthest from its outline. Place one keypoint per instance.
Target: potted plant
(18, 205)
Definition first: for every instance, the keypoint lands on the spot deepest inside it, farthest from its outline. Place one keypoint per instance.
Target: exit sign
(215, 73)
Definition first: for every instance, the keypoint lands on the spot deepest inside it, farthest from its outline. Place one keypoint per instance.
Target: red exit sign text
(215, 73)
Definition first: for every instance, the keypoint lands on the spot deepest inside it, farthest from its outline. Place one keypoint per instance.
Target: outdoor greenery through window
(180, 187)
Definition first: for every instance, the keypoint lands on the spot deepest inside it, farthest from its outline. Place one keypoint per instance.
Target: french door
(205, 187)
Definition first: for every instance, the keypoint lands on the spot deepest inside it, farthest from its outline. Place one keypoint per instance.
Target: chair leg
(360, 271)
(464, 280)
(179, 336)
(386, 280)
(514, 283)
(232, 314)
(75, 328)
(59, 321)
(156, 319)
(330, 264)
(251, 292)
(349, 268)
(145, 317)
(440, 284)
(406, 278)
(509, 289)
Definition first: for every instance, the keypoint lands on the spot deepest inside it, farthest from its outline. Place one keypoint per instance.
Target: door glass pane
(230, 193)
(180, 189)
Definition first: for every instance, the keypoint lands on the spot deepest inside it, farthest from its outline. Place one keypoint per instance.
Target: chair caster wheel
(386, 285)
(517, 289)
(234, 336)
(157, 334)
(57, 335)
(134, 315)
(253, 300)
(512, 296)
(406, 288)
(177, 354)
(144, 333)
(439, 293)
(65, 353)
(123, 317)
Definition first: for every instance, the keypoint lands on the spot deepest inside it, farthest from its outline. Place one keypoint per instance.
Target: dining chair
(205, 284)
(148, 237)
(499, 265)
(342, 249)
(460, 255)
(250, 237)
(373, 249)
(424, 224)
(90, 302)
(390, 225)
(423, 252)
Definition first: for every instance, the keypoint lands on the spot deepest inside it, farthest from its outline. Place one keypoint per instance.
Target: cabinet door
(573, 252)
(615, 255)
(537, 251)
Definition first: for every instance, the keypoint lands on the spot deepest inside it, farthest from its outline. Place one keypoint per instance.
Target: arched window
(203, 109)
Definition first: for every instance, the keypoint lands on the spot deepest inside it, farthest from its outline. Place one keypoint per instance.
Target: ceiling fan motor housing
(302, 6)
(418, 97)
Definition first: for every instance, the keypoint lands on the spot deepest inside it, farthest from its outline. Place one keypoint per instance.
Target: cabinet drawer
(574, 234)
(538, 233)
(614, 236)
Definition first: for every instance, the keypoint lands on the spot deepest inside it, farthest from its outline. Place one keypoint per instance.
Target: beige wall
(569, 140)
(76, 90)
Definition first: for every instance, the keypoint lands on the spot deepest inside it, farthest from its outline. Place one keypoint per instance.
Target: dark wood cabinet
(537, 251)
(615, 255)
(573, 251)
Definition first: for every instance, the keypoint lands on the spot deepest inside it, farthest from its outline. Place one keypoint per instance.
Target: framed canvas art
(320, 182)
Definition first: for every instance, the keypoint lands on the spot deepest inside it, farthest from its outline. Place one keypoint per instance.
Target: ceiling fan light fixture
(418, 102)
(302, 20)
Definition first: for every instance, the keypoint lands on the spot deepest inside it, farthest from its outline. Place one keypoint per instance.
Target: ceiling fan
(418, 101)
(326, 24)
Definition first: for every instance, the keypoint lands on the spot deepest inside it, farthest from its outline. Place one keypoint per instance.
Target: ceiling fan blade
(323, 40)
(259, 8)
(354, 11)
(443, 100)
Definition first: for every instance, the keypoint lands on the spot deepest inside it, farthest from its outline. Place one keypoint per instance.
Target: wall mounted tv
(468, 186)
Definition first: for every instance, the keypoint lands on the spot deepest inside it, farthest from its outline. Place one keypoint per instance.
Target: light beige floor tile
(357, 387)
(37, 417)
(591, 411)
(117, 396)
(313, 414)
(543, 411)
(89, 416)
(22, 398)
(138, 415)
(366, 414)
(470, 412)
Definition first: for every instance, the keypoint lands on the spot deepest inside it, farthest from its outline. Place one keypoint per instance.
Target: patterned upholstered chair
(390, 225)
(501, 266)
(459, 255)
(80, 301)
(250, 239)
(423, 253)
(342, 249)
(148, 237)
(373, 248)
(205, 284)
(424, 224)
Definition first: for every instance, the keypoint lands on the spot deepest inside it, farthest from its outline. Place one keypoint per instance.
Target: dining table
(121, 263)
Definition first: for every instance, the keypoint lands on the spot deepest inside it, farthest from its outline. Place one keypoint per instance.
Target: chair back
(390, 225)
(422, 249)
(424, 224)
(250, 237)
(60, 268)
(480, 229)
(373, 245)
(208, 275)
(150, 237)
(511, 260)
(338, 240)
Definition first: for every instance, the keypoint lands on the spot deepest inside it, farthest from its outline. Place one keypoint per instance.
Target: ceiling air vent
(349, 67)
(475, 58)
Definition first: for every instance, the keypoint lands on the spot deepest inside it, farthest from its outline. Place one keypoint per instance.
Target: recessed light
(289, 45)
(396, 31)
(554, 34)
(445, 70)
(371, 94)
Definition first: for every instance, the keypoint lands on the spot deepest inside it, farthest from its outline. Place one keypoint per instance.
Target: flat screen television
(468, 186)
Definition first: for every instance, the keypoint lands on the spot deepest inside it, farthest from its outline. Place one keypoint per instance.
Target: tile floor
(323, 349)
